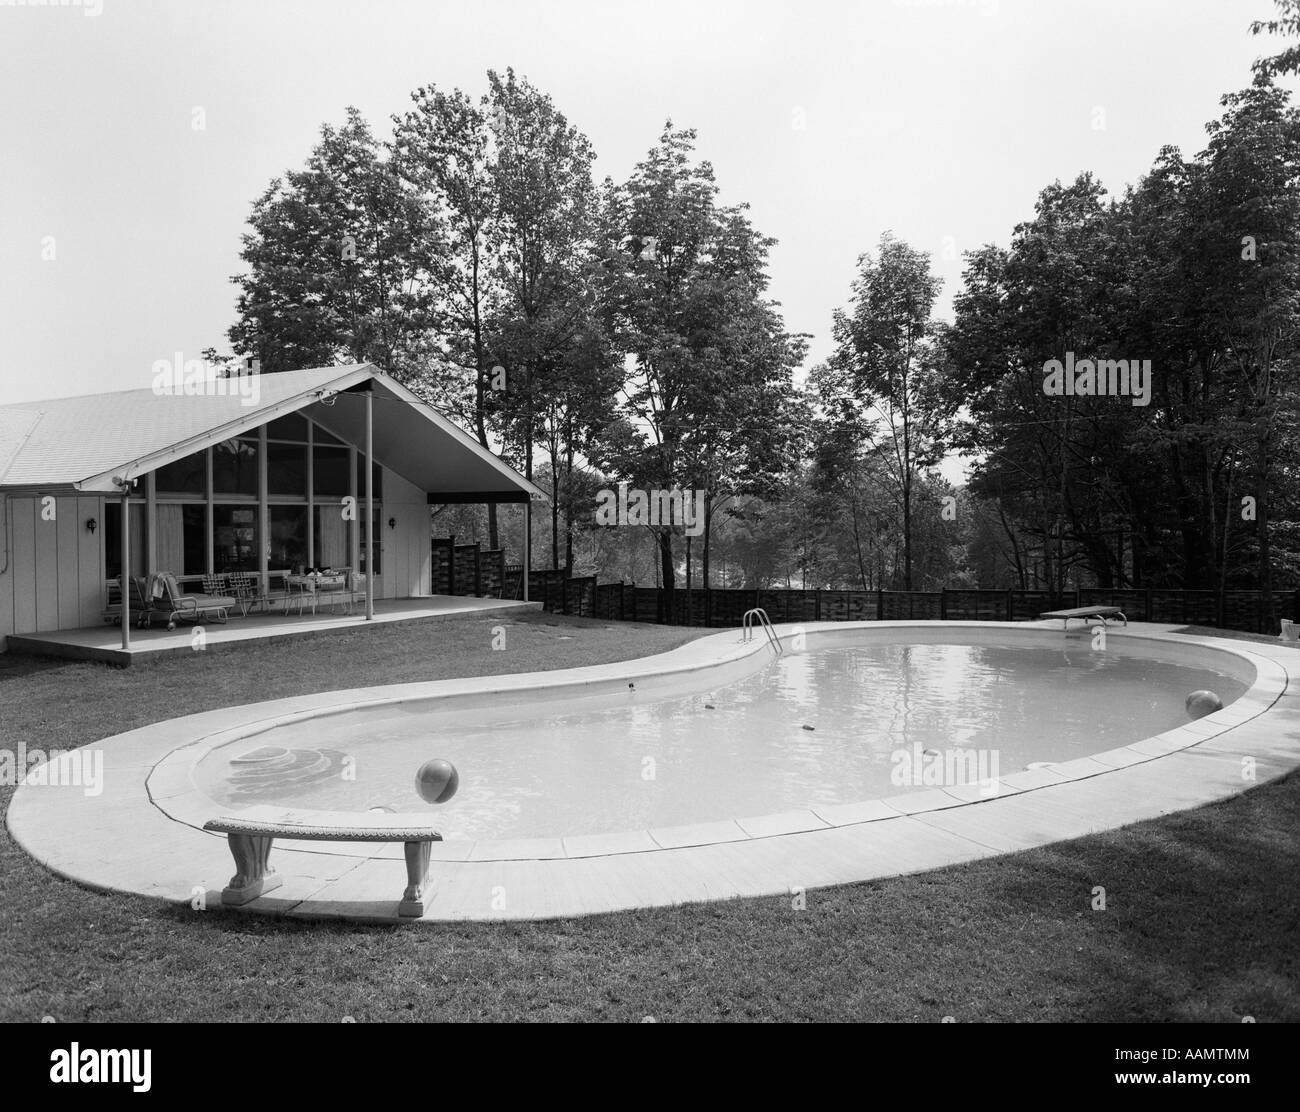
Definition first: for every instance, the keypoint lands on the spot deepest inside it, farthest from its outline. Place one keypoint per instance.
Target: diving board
(1101, 613)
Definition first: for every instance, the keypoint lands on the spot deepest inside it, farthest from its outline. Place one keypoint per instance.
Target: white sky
(933, 118)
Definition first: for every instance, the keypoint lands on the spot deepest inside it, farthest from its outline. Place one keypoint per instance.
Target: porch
(104, 642)
(321, 487)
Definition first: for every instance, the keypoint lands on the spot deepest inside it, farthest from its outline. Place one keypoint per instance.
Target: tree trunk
(555, 513)
(480, 390)
(1268, 611)
(857, 544)
(568, 492)
(708, 529)
(907, 536)
(668, 575)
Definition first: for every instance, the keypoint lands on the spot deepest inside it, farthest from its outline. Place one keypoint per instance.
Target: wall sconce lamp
(392, 523)
(92, 525)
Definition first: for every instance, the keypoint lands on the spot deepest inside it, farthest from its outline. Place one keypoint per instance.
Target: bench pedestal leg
(253, 874)
(417, 879)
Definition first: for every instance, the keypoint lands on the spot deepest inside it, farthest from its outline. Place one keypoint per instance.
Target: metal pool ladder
(747, 627)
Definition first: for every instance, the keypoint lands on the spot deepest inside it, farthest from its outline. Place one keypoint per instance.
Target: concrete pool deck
(141, 833)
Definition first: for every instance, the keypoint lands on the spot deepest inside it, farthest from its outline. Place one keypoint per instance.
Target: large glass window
(378, 538)
(323, 437)
(195, 526)
(330, 472)
(234, 540)
(234, 467)
(286, 470)
(185, 476)
(288, 538)
(361, 480)
(291, 427)
(182, 538)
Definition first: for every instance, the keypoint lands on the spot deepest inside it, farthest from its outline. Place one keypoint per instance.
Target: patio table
(314, 586)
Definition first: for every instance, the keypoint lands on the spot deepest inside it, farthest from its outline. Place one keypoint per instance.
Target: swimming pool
(145, 833)
(847, 720)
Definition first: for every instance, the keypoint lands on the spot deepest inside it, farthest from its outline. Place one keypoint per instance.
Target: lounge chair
(165, 600)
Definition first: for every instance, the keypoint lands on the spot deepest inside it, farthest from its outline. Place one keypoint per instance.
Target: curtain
(171, 538)
(333, 549)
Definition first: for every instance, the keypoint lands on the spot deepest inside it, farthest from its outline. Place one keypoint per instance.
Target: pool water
(833, 725)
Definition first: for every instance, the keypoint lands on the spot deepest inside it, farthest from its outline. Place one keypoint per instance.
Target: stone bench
(251, 832)
(1101, 613)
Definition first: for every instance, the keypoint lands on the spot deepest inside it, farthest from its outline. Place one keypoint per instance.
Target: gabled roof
(86, 443)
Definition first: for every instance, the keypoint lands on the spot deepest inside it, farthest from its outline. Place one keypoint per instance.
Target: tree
(341, 257)
(887, 362)
(1287, 23)
(706, 399)
(1251, 180)
(549, 339)
(442, 149)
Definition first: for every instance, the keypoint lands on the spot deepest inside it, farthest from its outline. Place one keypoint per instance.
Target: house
(223, 480)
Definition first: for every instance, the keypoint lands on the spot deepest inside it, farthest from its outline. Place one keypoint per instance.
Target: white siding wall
(52, 575)
(406, 548)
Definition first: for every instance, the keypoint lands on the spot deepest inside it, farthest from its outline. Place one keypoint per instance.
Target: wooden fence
(1239, 610)
(468, 570)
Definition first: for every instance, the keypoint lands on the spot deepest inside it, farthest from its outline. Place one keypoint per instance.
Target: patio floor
(104, 642)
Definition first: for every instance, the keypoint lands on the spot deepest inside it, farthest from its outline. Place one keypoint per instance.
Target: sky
(940, 120)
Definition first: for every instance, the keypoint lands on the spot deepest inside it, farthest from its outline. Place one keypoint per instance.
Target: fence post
(451, 563)
(880, 605)
(817, 605)
(1011, 606)
(478, 570)
(1147, 616)
(943, 604)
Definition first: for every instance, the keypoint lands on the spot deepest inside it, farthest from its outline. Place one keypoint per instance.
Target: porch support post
(126, 565)
(263, 517)
(370, 504)
(151, 526)
(528, 543)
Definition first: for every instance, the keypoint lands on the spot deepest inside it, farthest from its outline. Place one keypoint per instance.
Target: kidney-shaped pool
(836, 724)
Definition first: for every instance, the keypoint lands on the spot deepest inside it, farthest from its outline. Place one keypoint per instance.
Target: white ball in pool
(437, 780)
(1201, 703)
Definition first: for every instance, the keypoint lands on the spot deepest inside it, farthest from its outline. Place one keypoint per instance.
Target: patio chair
(166, 600)
(245, 589)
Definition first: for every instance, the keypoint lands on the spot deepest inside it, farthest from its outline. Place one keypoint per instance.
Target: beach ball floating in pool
(1201, 703)
(437, 780)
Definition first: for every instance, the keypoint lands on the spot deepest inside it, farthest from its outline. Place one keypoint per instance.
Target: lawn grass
(1201, 922)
